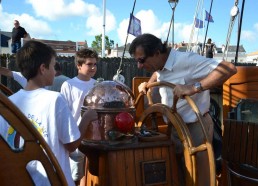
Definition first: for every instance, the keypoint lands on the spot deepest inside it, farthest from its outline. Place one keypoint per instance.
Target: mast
(239, 31)
(103, 31)
(0, 44)
(172, 22)
(198, 9)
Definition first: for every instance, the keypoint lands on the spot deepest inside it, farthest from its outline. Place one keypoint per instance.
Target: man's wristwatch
(198, 86)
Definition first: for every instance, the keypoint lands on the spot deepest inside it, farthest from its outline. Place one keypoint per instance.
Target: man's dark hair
(149, 43)
(83, 54)
(31, 56)
(209, 41)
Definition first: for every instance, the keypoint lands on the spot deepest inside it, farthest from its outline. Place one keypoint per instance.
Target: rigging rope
(118, 76)
(230, 28)
(196, 15)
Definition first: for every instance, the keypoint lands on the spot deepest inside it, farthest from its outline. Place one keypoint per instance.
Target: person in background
(17, 76)
(209, 49)
(18, 32)
(176, 46)
(196, 48)
(47, 110)
(58, 80)
(74, 91)
(193, 75)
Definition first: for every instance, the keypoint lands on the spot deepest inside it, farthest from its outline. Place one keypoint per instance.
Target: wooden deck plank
(138, 154)
(130, 171)
(238, 140)
(255, 145)
(112, 164)
(231, 145)
(249, 149)
(244, 141)
(120, 168)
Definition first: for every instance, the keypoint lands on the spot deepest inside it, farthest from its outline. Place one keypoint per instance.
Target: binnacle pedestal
(136, 163)
(115, 156)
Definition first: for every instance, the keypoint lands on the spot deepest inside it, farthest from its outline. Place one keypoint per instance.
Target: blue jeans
(15, 47)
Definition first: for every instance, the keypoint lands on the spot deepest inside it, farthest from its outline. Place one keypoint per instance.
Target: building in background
(68, 49)
(118, 51)
(230, 55)
(252, 57)
(5, 42)
(62, 48)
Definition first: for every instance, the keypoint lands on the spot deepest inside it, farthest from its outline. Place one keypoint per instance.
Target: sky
(80, 20)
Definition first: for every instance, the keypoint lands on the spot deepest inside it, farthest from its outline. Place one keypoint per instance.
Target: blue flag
(198, 23)
(134, 27)
(208, 17)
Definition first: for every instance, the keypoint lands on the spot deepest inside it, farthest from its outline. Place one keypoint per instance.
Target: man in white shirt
(193, 75)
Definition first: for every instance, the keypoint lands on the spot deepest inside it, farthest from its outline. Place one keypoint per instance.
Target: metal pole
(0, 43)
(103, 31)
(239, 31)
(172, 20)
(173, 25)
(207, 29)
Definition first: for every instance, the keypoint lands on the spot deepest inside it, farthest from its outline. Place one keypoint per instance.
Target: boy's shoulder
(38, 93)
(76, 81)
(77, 85)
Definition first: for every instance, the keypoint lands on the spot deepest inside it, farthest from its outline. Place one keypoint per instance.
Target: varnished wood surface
(240, 145)
(124, 166)
(244, 84)
(13, 161)
(5, 90)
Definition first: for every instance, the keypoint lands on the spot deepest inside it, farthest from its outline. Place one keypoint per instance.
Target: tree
(97, 44)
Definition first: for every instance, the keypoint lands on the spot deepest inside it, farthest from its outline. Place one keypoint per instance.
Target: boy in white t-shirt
(74, 91)
(47, 110)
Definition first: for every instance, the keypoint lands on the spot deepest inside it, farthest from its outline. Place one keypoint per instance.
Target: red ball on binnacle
(124, 122)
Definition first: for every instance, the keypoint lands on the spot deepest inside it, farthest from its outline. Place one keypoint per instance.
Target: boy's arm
(6, 72)
(87, 118)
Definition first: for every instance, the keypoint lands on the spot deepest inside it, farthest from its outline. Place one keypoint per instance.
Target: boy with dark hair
(47, 110)
(74, 91)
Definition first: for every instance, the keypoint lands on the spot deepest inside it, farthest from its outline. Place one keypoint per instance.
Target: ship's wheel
(5, 90)
(176, 120)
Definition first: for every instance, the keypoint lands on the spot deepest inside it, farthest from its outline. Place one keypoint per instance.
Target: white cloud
(183, 32)
(248, 35)
(94, 23)
(256, 27)
(151, 24)
(59, 9)
(31, 24)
